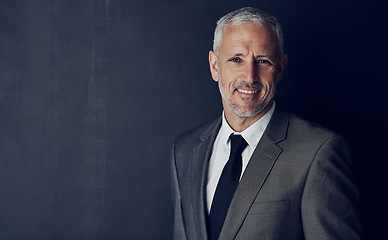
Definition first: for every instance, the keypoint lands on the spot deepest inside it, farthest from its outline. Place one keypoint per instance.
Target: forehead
(255, 37)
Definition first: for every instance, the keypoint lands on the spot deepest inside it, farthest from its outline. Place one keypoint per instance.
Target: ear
(282, 66)
(213, 63)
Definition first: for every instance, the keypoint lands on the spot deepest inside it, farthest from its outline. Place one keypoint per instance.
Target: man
(259, 172)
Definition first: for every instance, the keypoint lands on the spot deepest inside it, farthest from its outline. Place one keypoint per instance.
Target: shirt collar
(253, 133)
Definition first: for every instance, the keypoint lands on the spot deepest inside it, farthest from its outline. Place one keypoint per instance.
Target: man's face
(247, 68)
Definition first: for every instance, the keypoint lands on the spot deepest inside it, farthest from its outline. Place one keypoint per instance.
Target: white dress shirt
(221, 150)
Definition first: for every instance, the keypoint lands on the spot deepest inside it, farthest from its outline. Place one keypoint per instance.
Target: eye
(264, 61)
(235, 59)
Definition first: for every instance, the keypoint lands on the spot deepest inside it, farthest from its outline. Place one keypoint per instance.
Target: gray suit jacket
(298, 185)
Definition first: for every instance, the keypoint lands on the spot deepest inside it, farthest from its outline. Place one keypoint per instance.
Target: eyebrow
(256, 57)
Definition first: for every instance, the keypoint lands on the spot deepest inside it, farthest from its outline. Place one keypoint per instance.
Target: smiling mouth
(247, 91)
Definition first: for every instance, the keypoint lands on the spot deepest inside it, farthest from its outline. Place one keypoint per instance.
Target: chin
(251, 112)
(247, 112)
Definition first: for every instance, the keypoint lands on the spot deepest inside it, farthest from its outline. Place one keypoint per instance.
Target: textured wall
(93, 92)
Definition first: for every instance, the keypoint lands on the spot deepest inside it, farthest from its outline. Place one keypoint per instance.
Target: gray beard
(258, 109)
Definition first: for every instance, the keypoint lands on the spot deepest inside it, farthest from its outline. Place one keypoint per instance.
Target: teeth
(246, 91)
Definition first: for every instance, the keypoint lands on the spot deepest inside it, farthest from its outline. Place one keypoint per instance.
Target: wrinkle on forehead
(249, 37)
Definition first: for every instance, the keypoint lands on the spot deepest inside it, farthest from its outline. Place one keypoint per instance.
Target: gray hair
(246, 15)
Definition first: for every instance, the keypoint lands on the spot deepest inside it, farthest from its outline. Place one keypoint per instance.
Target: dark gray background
(93, 92)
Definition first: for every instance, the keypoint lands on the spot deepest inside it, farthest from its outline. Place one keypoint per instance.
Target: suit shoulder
(310, 131)
(202, 131)
(308, 139)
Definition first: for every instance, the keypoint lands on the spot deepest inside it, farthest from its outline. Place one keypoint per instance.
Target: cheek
(268, 79)
(227, 77)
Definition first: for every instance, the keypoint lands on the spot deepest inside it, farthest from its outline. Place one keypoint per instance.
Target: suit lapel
(201, 156)
(259, 166)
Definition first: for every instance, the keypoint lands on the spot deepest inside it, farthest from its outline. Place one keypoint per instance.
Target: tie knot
(238, 144)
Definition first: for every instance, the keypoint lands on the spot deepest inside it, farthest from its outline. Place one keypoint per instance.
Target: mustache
(254, 85)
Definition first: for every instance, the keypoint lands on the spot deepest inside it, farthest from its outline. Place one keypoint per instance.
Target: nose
(251, 71)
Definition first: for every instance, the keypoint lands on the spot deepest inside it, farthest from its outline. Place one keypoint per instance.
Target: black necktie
(226, 187)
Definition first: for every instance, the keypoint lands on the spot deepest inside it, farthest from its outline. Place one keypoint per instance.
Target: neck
(239, 124)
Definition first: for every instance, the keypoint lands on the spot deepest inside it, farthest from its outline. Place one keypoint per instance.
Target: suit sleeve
(330, 196)
(179, 229)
